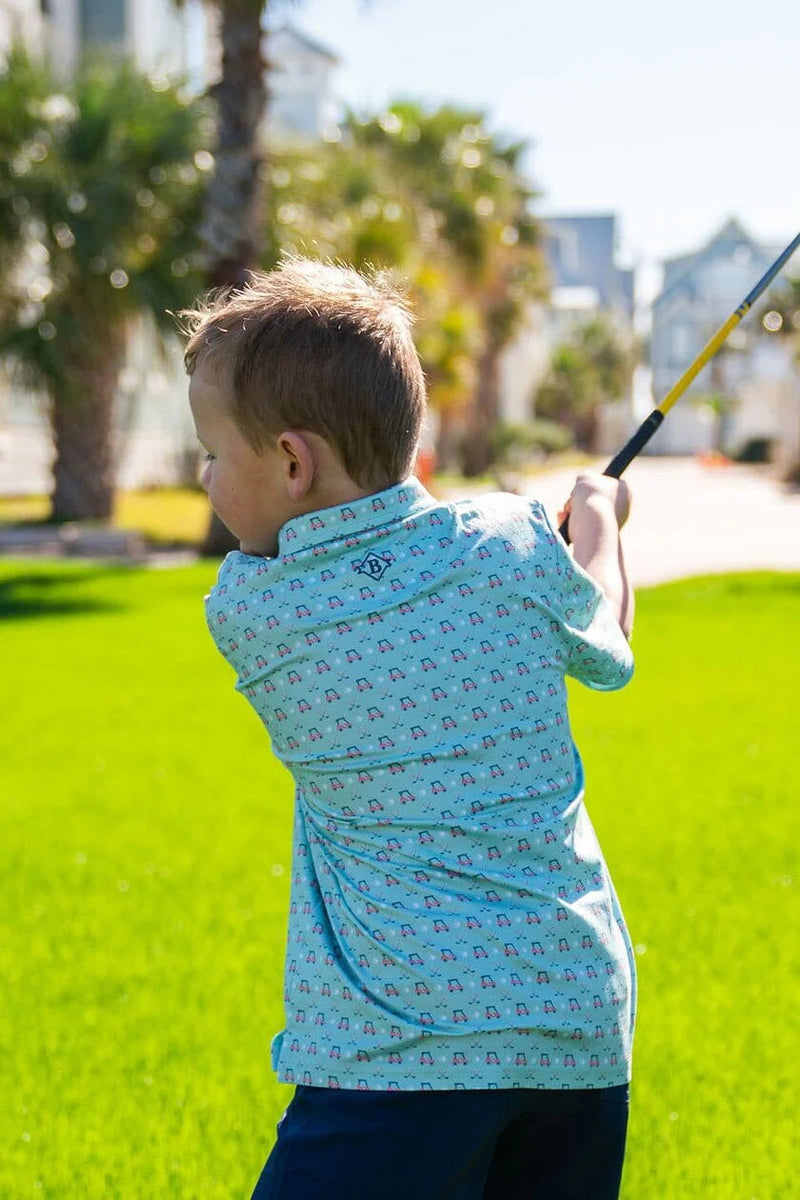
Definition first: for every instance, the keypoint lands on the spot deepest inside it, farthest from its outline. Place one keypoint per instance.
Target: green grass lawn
(145, 855)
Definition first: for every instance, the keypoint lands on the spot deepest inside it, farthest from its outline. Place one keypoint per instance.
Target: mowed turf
(145, 865)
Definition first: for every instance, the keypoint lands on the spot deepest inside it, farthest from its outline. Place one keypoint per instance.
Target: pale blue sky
(673, 117)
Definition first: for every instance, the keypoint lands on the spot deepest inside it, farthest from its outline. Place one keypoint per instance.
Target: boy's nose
(205, 476)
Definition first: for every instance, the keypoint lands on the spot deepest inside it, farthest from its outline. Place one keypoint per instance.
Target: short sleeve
(596, 651)
(237, 613)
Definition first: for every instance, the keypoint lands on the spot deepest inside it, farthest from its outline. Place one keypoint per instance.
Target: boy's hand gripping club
(651, 423)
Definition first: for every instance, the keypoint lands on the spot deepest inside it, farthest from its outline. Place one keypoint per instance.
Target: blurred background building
(302, 100)
(749, 385)
(177, 40)
(156, 34)
(581, 252)
(586, 282)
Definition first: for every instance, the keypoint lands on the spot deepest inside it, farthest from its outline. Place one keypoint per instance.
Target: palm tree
(471, 181)
(99, 196)
(345, 200)
(437, 196)
(594, 367)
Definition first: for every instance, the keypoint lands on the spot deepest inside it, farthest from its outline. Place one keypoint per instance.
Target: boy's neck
(332, 486)
(332, 494)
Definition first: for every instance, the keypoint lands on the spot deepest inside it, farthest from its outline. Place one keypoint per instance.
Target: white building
(301, 101)
(157, 35)
(21, 21)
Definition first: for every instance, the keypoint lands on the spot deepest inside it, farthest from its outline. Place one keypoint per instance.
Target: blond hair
(318, 347)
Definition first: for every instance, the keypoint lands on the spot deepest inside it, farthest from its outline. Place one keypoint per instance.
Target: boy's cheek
(223, 503)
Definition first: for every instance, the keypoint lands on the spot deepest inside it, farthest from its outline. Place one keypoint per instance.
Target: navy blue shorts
(516, 1144)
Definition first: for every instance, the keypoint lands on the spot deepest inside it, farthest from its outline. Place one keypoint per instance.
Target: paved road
(689, 519)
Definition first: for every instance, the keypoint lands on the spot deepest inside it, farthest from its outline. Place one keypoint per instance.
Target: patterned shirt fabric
(452, 921)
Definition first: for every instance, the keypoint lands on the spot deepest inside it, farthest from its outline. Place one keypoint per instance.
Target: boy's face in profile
(246, 487)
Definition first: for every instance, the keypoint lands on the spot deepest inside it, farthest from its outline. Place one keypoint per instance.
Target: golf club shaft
(652, 422)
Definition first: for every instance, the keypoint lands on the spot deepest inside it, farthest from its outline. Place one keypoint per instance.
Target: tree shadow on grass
(55, 594)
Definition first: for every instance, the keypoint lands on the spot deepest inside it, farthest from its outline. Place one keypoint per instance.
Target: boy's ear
(299, 466)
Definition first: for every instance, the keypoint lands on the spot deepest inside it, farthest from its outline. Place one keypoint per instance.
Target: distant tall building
(585, 282)
(581, 254)
(700, 290)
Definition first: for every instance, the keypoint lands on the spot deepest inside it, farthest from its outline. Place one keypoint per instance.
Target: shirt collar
(352, 519)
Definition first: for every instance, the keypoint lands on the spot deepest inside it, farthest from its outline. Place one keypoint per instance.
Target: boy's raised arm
(597, 508)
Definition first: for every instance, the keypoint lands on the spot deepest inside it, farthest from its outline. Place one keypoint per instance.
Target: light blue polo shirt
(452, 921)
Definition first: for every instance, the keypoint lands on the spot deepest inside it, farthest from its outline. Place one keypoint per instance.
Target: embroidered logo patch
(373, 564)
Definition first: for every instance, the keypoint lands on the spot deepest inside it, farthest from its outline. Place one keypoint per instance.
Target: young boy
(459, 985)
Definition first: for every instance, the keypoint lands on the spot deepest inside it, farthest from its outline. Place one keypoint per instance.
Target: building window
(103, 21)
(681, 343)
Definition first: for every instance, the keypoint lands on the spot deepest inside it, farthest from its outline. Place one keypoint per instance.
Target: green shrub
(516, 444)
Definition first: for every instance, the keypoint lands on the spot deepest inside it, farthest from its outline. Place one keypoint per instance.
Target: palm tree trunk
(232, 228)
(81, 421)
(448, 438)
(233, 224)
(477, 456)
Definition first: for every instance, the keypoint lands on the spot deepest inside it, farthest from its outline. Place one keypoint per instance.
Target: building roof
(304, 42)
(679, 272)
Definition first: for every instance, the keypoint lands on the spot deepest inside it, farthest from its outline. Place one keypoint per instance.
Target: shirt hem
(502, 1081)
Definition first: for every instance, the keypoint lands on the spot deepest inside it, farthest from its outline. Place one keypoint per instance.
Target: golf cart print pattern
(452, 922)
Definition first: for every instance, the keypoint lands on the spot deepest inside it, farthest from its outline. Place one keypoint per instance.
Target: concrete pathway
(690, 519)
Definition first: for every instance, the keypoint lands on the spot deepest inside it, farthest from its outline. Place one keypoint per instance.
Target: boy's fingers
(615, 490)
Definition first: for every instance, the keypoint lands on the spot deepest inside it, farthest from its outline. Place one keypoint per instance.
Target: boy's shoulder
(385, 523)
(521, 519)
(499, 506)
